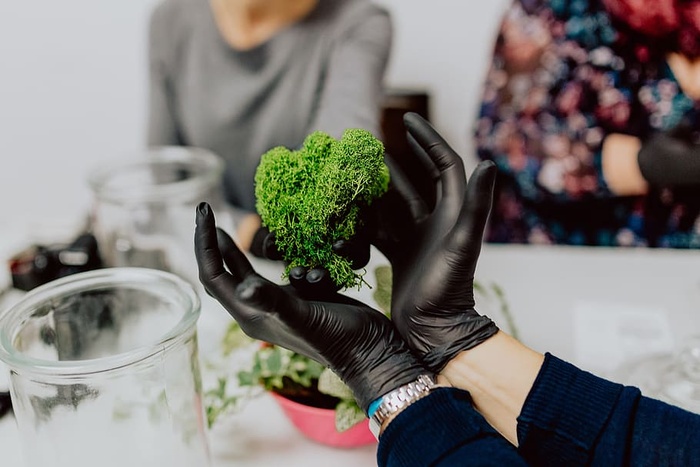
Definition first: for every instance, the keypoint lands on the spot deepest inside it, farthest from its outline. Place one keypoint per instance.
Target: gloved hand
(672, 158)
(263, 245)
(434, 258)
(358, 343)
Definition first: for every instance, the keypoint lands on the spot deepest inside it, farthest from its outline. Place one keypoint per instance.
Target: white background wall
(73, 89)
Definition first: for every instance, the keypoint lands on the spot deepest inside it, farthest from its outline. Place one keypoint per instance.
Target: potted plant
(317, 403)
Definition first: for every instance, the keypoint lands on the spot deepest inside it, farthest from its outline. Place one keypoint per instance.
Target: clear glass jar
(670, 377)
(144, 208)
(103, 369)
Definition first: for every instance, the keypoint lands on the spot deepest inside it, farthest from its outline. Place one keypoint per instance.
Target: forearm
(620, 165)
(498, 374)
(353, 89)
(162, 129)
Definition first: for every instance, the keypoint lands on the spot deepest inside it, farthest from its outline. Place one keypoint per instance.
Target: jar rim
(212, 164)
(12, 319)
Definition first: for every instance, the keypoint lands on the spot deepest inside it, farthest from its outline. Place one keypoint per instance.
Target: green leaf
(234, 338)
(271, 361)
(347, 415)
(382, 294)
(329, 383)
(247, 378)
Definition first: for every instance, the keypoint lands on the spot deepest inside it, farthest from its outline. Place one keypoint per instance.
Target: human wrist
(498, 374)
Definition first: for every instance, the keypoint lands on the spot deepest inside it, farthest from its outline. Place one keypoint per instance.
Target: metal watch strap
(398, 399)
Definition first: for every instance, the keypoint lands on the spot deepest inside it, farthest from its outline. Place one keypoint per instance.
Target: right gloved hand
(434, 258)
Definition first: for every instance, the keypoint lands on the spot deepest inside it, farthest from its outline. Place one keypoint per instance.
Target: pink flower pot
(319, 425)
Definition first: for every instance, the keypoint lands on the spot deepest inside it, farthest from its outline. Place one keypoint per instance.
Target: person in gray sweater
(239, 77)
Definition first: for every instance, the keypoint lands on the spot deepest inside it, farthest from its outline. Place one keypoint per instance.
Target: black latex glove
(264, 246)
(672, 158)
(434, 258)
(358, 343)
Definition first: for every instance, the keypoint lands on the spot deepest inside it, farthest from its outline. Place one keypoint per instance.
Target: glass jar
(671, 377)
(144, 208)
(103, 370)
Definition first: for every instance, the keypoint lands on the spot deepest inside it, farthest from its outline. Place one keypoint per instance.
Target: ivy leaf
(347, 415)
(382, 294)
(246, 378)
(329, 383)
(234, 338)
(271, 362)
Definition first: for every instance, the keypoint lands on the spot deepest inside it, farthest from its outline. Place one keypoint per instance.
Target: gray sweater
(322, 73)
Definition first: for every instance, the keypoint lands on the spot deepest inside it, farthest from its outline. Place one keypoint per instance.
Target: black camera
(39, 264)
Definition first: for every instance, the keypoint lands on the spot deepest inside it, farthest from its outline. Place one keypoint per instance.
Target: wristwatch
(398, 399)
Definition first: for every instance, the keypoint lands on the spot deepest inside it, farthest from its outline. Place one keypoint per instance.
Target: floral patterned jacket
(563, 76)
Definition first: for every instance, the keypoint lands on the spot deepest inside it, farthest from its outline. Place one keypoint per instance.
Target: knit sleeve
(443, 429)
(353, 86)
(162, 128)
(572, 417)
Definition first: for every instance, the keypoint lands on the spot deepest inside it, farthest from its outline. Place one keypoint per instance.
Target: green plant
(288, 373)
(312, 197)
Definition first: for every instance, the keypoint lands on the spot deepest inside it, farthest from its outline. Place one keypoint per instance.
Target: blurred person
(555, 413)
(591, 112)
(239, 77)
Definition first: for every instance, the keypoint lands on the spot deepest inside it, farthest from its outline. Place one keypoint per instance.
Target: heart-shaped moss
(313, 197)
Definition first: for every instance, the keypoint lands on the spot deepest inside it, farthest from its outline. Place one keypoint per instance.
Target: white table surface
(543, 285)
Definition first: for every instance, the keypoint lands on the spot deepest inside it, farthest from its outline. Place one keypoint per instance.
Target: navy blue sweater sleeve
(572, 417)
(443, 429)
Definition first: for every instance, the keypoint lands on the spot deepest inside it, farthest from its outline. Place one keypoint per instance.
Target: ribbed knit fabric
(570, 418)
(573, 418)
(443, 429)
(564, 413)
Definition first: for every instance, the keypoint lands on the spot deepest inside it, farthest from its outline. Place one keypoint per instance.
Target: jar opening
(167, 174)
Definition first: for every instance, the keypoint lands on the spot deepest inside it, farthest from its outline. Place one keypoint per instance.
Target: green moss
(312, 197)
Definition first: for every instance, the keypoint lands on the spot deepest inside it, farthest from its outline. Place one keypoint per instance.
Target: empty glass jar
(670, 377)
(104, 371)
(144, 207)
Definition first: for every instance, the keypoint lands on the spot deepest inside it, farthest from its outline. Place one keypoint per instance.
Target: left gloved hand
(671, 158)
(358, 343)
